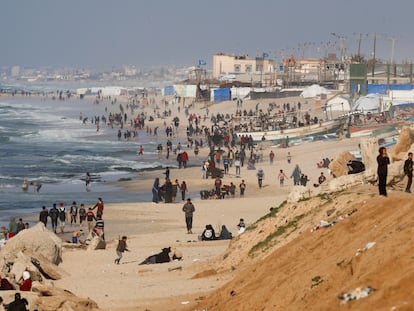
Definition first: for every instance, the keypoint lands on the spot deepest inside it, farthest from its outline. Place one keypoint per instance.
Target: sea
(45, 141)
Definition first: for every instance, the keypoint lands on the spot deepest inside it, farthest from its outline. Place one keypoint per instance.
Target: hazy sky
(103, 34)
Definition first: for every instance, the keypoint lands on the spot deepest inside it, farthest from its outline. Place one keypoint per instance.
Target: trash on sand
(366, 247)
(355, 294)
(185, 302)
(324, 223)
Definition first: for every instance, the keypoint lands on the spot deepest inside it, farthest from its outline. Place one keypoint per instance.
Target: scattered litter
(175, 268)
(355, 294)
(196, 259)
(185, 302)
(366, 247)
(324, 223)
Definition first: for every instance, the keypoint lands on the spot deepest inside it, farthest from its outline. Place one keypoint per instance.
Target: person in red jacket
(100, 208)
(26, 285)
(184, 158)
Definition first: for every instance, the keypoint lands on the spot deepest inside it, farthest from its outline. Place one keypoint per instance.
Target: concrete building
(239, 65)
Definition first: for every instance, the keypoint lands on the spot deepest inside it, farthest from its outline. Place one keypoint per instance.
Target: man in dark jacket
(383, 161)
(43, 215)
(54, 215)
(189, 209)
(408, 170)
(19, 303)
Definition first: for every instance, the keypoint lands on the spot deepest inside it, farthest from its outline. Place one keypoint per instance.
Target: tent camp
(313, 91)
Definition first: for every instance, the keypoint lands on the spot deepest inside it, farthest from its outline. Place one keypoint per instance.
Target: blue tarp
(169, 90)
(382, 88)
(221, 95)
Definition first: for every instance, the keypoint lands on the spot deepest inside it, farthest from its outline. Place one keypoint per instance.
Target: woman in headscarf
(155, 188)
(26, 285)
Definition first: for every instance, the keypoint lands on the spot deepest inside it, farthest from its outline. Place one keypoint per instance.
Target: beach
(151, 227)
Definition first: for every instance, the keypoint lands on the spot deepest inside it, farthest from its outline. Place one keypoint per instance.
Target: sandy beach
(151, 227)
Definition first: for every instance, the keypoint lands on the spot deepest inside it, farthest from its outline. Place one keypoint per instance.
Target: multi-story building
(240, 65)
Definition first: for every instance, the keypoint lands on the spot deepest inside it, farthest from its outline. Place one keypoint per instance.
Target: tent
(373, 103)
(313, 91)
(339, 103)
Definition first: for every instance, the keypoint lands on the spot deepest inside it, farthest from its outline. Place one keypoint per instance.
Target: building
(241, 66)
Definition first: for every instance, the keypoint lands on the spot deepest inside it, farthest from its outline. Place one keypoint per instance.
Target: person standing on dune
(383, 160)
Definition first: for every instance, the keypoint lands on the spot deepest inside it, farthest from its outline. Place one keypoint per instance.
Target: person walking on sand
(383, 160)
(289, 158)
(242, 187)
(184, 158)
(82, 215)
(271, 156)
(183, 189)
(73, 213)
(54, 215)
(90, 217)
(43, 215)
(408, 170)
(62, 217)
(189, 209)
(237, 165)
(99, 207)
(282, 177)
(296, 175)
(122, 247)
(155, 190)
(260, 175)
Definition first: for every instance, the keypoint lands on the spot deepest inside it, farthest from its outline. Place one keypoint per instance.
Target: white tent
(372, 103)
(339, 103)
(313, 91)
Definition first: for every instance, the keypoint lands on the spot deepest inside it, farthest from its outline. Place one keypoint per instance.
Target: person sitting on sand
(5, 284)
(208, 234)
(225, 234)
(321, 179)
(242, 226)
(18, 303)
(26, 285)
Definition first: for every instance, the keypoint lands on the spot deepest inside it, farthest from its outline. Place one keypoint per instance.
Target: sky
(103, 34)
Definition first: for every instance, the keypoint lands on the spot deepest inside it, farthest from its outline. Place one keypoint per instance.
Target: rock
(405, 140)
(369, 153)
(338, 165)
(96, 243)
(57, 299)
(46, 268)
(36, 239)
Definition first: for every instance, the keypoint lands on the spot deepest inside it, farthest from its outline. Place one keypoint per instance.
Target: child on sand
(122, 247)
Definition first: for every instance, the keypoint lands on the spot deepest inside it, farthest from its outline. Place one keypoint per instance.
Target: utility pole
(359, 47)
(373, 58)
(392, 60)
